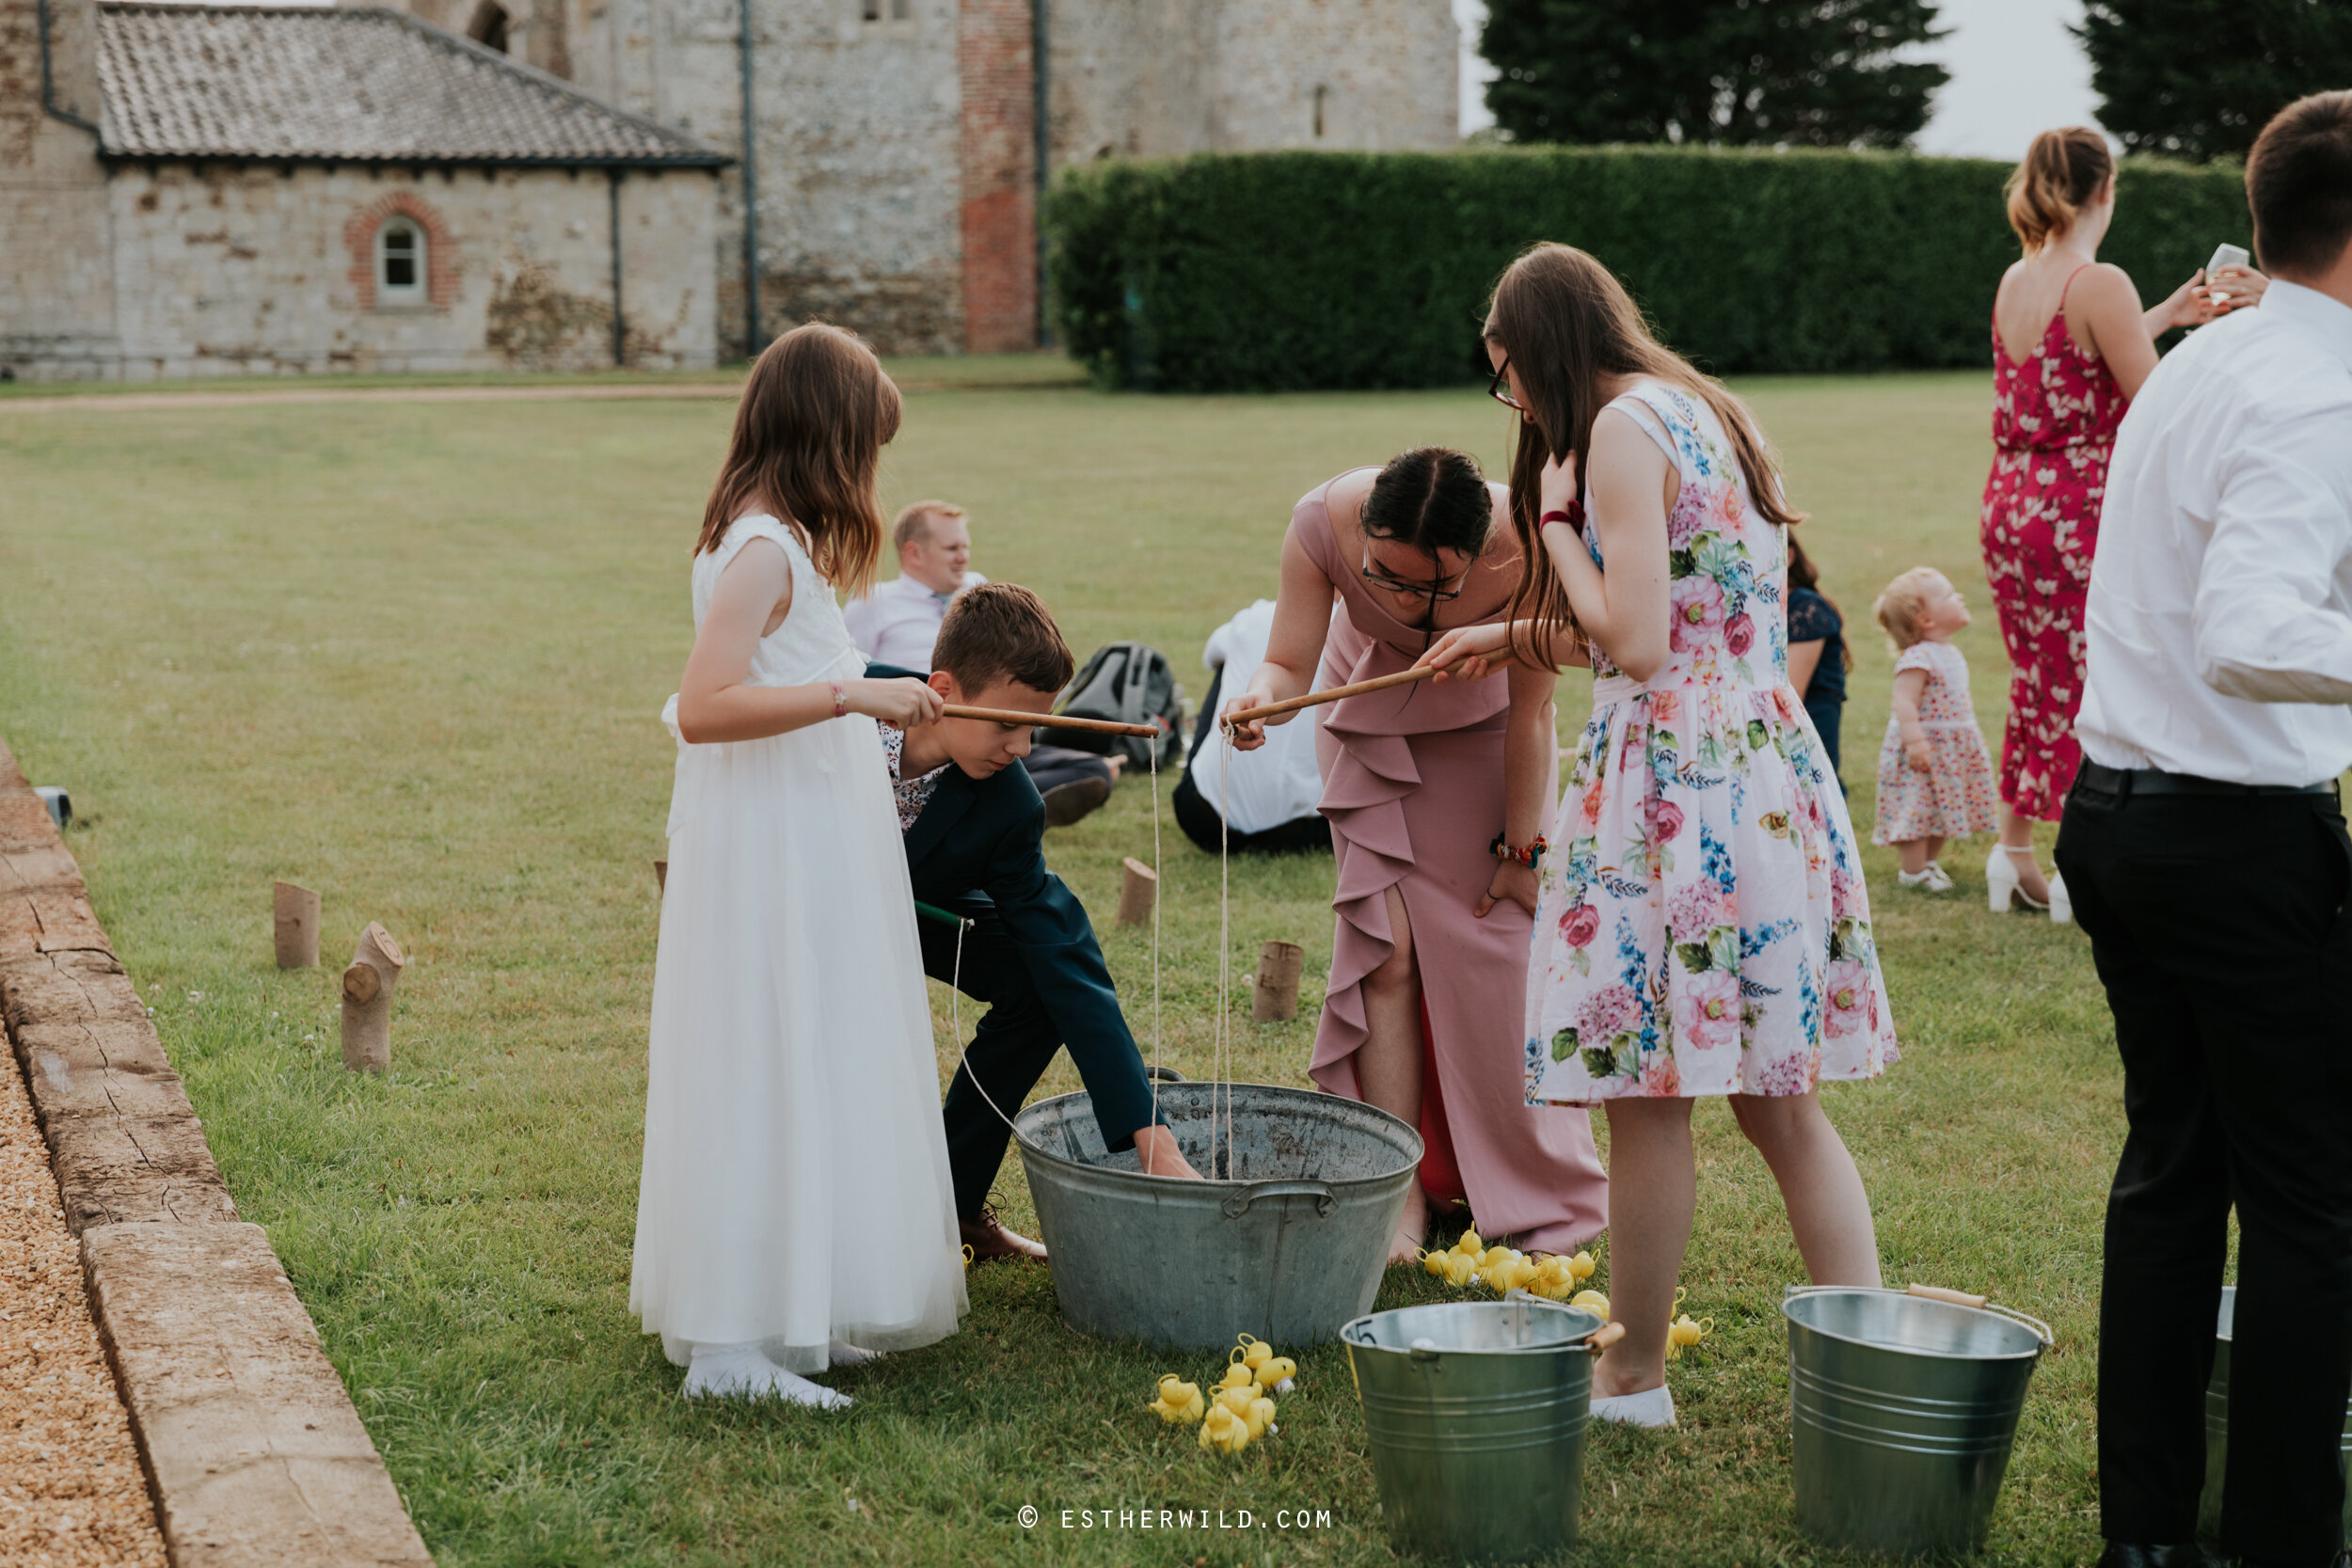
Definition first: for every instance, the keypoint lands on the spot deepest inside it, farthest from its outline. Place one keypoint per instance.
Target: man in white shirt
(898, 621)
(2204, 848)
(1269, 795)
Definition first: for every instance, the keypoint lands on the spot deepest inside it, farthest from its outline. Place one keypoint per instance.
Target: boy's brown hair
(2299, 184)
(817, 411)
(1001, 631)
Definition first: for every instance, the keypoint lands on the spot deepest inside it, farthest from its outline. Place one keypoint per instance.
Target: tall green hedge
(1296, 270)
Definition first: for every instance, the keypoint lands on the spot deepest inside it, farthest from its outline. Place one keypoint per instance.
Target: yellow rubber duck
(1180, 1403)
(967, 1257)
(1253, 1353)
(1592, 1301)
(1434, 1261)
(1261, 1416)
(1469, 1245)
(1237, 1399)
(1684, 1331)
(1238, 1376)
(1582, 1266)
(1222, 1432)
(1278, 1373)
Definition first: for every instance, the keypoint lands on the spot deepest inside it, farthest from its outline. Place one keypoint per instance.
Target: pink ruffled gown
(1412, 785)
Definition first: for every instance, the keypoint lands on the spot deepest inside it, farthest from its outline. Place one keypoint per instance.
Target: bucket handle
(1238, 1204)
(1598, 1340)
(1957, 1298)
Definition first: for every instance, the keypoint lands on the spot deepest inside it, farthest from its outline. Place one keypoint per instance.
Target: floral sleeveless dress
(1953, 798)
(1702, 928)
(2054, 423)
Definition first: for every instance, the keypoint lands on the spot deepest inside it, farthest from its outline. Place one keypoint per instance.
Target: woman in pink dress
(1423, 785)
(2071, 346)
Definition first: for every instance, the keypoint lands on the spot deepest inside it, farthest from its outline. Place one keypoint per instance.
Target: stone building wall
(56, 284)
(252, 270)
(857, 151)
(999, 177)
(1161, 78)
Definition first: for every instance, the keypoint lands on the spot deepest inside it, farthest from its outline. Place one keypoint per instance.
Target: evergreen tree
(1742, 73)
(2199, 78)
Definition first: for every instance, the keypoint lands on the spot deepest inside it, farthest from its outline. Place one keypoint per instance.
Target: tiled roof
(361, 86)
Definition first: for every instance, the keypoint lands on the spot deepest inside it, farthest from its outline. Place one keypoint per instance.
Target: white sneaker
(1931, 879)
(1651, 1408)
(2002, 892)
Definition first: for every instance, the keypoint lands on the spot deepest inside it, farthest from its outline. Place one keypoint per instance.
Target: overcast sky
(2014, 70)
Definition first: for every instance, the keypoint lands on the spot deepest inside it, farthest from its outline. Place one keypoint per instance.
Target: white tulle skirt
(795, 1186)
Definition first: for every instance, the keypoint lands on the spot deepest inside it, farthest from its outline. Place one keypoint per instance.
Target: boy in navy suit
(973, 826)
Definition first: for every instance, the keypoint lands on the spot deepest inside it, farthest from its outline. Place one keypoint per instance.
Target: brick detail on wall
(999, 148)
(441, 250)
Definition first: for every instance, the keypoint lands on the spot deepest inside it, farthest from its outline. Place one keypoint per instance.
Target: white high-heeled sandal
(2001, 882)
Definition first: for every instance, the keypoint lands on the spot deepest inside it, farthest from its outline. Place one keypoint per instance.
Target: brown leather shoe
(1066, 803)
(988, 1238)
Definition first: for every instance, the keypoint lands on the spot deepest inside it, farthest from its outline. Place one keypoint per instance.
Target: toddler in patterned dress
(1935, 777)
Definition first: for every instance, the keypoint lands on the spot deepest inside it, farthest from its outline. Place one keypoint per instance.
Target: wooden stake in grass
(368, 984)
(1137, 892)
(661, 876)
(296, 913)
(1275, 998)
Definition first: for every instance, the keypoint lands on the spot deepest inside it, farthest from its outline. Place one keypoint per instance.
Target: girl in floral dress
(1935, 778)
(1703, 927)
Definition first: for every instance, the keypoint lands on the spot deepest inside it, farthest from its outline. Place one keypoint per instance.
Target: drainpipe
(620, 324)
(1040, 77)
(752, 345)
(48, 81)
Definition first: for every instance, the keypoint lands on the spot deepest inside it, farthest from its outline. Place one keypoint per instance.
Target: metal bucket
(1287, 1243)
(1475, 1413)
(2218, 1427)
(1905, 1409)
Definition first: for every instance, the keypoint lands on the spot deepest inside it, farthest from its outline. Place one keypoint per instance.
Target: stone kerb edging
(253, 1453)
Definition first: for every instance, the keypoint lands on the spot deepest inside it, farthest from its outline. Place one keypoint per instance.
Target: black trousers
(1011, 1049)
(2220, 931)
(1050, 766)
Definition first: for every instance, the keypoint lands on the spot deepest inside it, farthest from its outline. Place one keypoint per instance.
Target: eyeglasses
(1380, 576)
(1500, 388)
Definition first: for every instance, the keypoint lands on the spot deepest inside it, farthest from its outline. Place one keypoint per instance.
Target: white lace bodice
(811, 643)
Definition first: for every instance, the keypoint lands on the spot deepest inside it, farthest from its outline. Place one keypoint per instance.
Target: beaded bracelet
(840, 700)
(1527, 857)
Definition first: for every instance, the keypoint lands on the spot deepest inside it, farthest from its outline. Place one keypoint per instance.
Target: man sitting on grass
(973, 837)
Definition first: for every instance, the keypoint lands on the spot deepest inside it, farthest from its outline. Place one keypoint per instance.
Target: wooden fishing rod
(1379, 683)
(1055, 720)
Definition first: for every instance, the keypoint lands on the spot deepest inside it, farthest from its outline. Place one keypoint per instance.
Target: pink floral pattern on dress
(1954, 798)
(1702, 928)
(2054, 422)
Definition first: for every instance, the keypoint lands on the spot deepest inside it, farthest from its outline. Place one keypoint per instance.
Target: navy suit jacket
(979, 851)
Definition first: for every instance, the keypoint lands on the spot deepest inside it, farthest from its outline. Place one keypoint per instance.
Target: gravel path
(71, 1492)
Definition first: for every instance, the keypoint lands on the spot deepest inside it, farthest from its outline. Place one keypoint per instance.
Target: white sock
(742, 1373)
(843, 1353)
(1651, 1408)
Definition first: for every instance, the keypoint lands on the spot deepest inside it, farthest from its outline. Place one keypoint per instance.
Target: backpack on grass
(1128, 683)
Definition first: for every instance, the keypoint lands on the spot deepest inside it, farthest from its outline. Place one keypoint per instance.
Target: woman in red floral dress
(2071, 346)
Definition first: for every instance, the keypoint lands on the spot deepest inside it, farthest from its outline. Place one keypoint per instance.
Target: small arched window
(489, 25)
(400, 262)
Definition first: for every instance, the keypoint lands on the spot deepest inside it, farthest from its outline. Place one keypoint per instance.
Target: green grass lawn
(412, 656)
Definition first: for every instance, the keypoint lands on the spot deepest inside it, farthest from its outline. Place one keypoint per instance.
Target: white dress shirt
(2220, 613)
(1278, 783)
(898, 623)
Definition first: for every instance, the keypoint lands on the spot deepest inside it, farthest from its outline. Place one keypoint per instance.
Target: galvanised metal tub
(1475, 1413)
(1905, 1405)
(2218, 1427)
(1287, 1243)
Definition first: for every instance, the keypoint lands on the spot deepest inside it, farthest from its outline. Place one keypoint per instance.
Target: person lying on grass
(974, 823)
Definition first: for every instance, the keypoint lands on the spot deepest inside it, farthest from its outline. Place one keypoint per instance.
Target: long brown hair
(2061, 171)
(1564, 324)
(815, 413)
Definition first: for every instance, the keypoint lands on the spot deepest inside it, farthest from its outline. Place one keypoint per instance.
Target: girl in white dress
(795, 1210)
